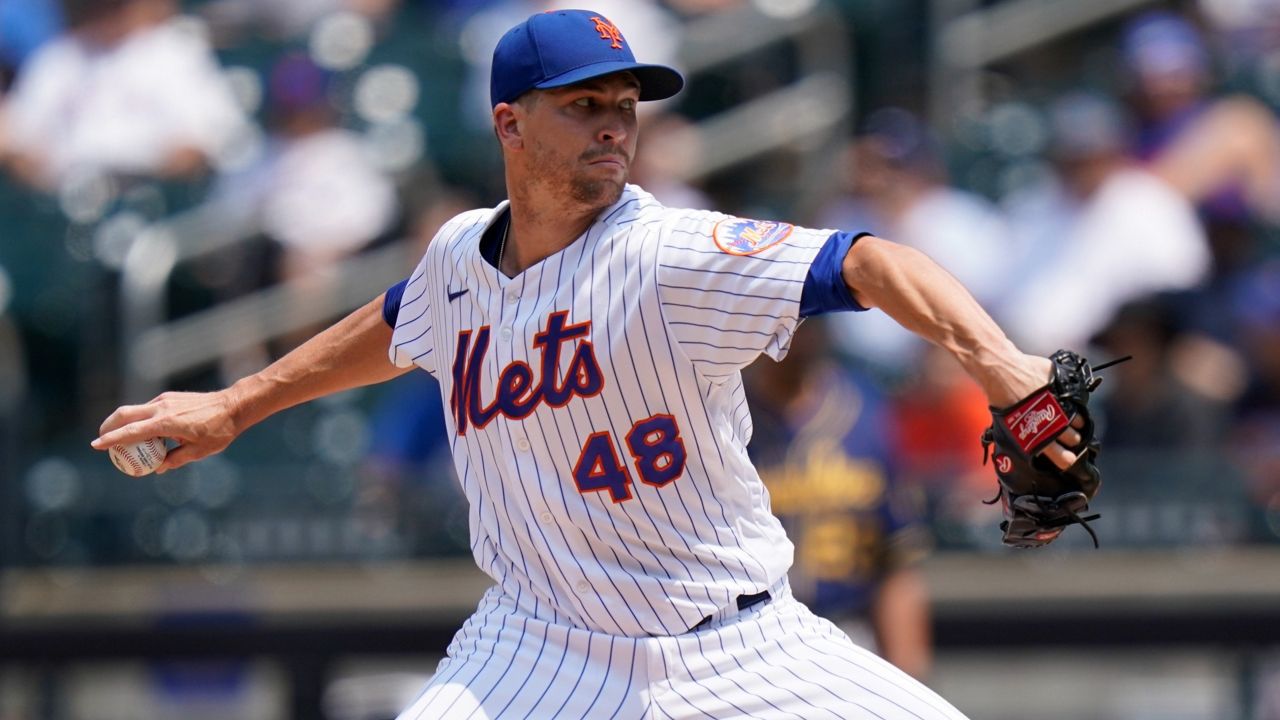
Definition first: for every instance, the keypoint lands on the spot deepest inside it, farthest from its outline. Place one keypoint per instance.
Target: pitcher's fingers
(124, 415)
(178, 457)
(1077, 422)
(1070, 438)
(1059, 455)
(132, 433)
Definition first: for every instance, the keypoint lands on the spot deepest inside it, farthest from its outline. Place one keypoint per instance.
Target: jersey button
(522, 444)
(583, 587)
(547, 518)
(512, 299)
(506, 333)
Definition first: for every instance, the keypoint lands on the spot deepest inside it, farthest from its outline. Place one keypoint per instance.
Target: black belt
(744, 602)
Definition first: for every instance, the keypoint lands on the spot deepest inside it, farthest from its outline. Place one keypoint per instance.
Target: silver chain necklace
(502, 247)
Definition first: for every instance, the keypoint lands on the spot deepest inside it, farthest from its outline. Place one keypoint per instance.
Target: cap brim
(657, 82)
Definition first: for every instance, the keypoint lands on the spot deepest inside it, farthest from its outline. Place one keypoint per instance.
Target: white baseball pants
(774, 660)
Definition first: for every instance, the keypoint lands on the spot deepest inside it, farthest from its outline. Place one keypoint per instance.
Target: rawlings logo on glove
(1037, 419)
(1040, 499)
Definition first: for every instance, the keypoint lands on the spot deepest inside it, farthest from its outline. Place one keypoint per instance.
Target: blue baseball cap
(563, 47)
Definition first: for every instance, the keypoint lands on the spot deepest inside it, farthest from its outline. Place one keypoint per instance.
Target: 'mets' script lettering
(518, 395)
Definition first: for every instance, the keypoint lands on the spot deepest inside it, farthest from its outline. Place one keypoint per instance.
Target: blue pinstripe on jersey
(745, 258)
(667, 390)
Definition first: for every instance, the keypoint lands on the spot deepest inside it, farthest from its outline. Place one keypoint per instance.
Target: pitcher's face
(582, 138)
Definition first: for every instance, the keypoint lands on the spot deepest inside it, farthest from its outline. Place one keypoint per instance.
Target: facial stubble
(583, 190)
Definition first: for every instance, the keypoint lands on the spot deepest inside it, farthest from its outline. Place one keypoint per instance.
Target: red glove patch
(1034, 422)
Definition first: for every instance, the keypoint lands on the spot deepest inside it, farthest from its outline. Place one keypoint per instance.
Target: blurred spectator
(409, 472)
(409, 432)
(1148, 406)
(822, 443)
(1170, 76)
(897, 189)
(1112, 231)
(670, 151)
(287, 19)
(1247, 30)
(437, 204)
(1256, 438)
(939, 413)
(314, 193)
(127, 90)
(321, 199)
(1234, 144)
(1131, 228)
(13, 380)
(25, 25)
(1257, 311)
(1170, 73)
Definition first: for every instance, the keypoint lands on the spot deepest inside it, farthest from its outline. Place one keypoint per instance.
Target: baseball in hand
(138, 459)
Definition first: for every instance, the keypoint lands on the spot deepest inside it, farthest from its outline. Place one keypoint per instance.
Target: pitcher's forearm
(349, 354)
(927, 300)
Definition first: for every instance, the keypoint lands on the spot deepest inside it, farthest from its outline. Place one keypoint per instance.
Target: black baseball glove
(1040, 499)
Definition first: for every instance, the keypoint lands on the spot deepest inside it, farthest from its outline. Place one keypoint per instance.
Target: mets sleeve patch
(748, 237)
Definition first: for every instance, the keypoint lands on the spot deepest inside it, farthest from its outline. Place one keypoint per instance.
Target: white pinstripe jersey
(596, 409)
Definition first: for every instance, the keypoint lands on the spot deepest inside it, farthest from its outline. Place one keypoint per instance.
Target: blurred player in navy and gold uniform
(823, 445)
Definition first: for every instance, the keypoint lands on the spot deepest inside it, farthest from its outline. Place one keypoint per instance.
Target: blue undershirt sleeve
(391, 302)
(824, 287)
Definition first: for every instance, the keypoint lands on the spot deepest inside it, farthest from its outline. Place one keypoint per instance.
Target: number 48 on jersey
(657, 452)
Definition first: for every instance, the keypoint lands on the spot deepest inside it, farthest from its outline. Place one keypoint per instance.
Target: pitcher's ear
(508, 125)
